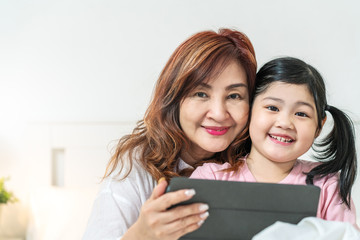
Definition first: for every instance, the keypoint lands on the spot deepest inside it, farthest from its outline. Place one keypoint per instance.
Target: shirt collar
(182, 165)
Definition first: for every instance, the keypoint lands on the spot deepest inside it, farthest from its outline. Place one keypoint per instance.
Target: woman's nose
(218, 111)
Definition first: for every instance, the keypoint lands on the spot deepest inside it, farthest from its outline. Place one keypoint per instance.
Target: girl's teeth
(281, 139)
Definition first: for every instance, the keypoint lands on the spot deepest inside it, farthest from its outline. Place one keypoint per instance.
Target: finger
(169, 199)
(186, 230)
(179, 227)
(188, 223)
(184, 211)
(159, 189)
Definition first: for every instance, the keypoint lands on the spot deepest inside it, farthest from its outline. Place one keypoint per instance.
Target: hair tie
(327, 107)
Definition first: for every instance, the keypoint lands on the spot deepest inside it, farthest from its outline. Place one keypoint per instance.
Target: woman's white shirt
(118, 203)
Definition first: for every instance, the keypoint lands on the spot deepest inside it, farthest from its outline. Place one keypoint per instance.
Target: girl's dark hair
(337, 150)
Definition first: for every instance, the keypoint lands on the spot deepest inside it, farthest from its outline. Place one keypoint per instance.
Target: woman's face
(215, 112)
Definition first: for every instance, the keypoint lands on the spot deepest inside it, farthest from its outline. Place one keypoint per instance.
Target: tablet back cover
(239, 210)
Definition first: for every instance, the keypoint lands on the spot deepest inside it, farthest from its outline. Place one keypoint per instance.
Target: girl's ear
(322, 125)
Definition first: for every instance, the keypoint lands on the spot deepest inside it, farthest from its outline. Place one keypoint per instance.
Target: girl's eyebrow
(305, 104)
(299, 103)
(274, 99)
(232, 86)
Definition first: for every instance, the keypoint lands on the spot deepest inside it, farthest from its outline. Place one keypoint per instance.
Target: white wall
(83, 61)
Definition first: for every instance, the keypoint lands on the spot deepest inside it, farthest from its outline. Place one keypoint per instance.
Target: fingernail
(190, 192)
(204, 215)
(200, 222)
(161, 179)
(203, 207)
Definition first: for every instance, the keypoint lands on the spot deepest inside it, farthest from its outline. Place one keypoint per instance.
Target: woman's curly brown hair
(158, 139)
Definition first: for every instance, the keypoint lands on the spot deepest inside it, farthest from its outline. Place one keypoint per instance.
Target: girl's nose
(218, 111)
(284, 121)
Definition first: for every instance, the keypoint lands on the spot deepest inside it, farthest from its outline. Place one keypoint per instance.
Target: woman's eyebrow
(205, 85)
(231, 86)
(236, 85)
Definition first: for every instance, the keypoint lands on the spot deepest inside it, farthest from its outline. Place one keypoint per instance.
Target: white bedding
(310, 228)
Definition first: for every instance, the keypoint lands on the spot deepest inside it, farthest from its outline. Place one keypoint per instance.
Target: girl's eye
(234, 96)
(272, 108)
(200, 95)
(301, 114)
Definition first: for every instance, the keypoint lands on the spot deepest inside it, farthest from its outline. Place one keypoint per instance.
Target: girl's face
(215, 112)
(283, 123)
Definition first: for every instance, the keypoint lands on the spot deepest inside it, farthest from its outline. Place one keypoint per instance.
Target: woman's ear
(322, 125)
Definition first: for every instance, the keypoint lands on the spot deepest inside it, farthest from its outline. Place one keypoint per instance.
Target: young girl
(288, 113)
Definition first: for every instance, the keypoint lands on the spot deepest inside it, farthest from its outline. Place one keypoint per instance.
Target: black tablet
(239, 210)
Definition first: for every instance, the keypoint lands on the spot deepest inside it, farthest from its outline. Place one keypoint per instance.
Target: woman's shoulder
(129, 176)
(128, 164)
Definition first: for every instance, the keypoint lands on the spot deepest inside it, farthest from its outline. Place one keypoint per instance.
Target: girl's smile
(281, 139)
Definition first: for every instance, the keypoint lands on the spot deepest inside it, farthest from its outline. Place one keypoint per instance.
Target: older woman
(199, 112)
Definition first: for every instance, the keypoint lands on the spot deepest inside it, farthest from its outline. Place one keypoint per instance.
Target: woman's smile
(217, 131)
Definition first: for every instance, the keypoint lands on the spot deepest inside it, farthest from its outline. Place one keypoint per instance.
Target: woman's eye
(201, 94)
(301, 114)
(272, 108)
(234, 96)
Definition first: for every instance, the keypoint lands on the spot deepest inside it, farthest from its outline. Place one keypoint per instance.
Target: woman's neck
(266, 170)
(191, 158)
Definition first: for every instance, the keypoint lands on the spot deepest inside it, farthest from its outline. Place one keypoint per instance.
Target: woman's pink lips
(217, 131)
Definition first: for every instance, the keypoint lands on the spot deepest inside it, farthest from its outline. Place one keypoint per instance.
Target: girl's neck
(266, 170)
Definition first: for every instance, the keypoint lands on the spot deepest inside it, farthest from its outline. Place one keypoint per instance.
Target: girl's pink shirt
(330, 204)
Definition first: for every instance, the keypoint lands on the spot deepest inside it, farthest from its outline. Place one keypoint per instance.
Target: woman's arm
(131, 209)
(157, 222)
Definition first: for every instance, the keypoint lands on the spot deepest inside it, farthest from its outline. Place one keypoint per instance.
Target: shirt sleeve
(331, 206)
(118, 205)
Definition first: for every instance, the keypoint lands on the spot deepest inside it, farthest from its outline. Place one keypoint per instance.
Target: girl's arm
(331, 206)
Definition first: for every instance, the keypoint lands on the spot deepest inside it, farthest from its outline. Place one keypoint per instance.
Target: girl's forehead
(289, 91)
(285, 87)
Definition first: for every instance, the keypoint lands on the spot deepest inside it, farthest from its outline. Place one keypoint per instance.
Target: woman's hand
(157, 222)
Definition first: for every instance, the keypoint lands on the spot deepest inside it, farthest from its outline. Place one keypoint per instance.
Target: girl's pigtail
(337, 152)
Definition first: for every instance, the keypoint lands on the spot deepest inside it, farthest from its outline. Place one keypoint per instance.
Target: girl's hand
(156, 222)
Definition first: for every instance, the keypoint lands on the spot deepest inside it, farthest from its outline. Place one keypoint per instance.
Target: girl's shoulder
(306, 166)
(215, 166)
(215, 171)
